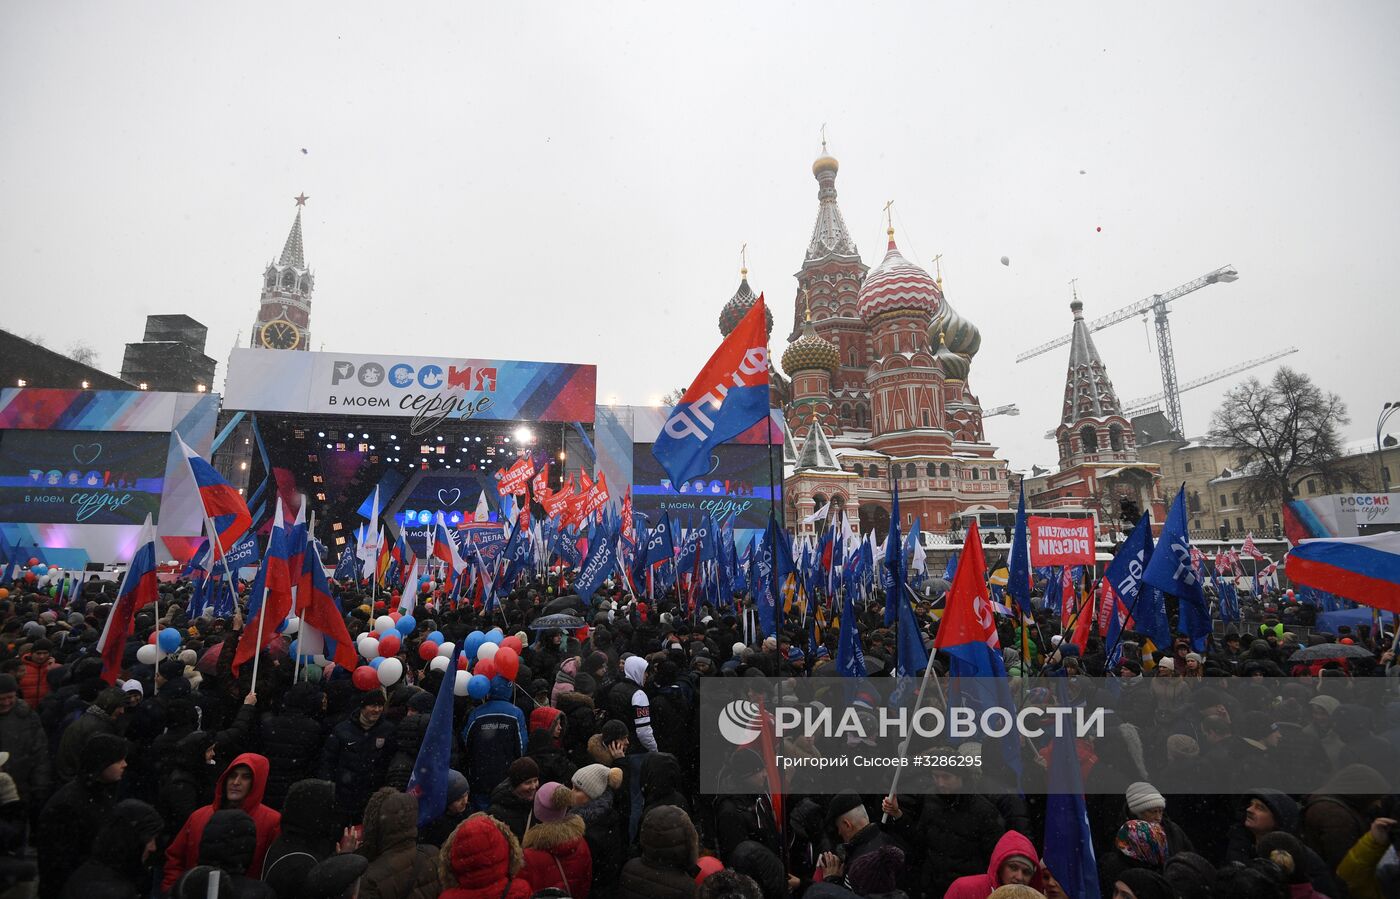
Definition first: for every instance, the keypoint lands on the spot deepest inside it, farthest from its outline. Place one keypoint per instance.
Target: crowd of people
(579, 776)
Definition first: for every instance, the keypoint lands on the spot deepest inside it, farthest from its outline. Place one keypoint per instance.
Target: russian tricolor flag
(139, 588)
(270, 600)
(1363, 569)
(223, 505)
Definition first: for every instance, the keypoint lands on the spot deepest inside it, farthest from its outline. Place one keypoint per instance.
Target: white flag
(819, 515)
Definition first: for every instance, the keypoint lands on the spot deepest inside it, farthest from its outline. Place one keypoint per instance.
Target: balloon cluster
(484, 655)
(161, 643)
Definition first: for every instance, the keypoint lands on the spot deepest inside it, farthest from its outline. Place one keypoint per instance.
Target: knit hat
(1167, 664)
(521, 770)
(1143, 797)
(8, 684)
(552, 801)
(133, 686)
(614, 730)
(1182, 746)
(874, 871)
(1144, 841)
(456, 785)
(373, 697)
(170, 669)
(1328, 703)
(422, 702)
(594, 780)
(840, 804)
(100, 751)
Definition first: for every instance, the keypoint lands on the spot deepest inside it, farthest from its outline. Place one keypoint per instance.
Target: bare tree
(37, 339)
(1282, 433)
(82, 352)
(674, 397)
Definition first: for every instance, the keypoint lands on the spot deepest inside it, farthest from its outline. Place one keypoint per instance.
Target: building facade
(283, 321)
(170, 356)
(1099, 466)
(877, 390)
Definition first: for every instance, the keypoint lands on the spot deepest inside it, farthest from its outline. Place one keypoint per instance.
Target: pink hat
(552, 801)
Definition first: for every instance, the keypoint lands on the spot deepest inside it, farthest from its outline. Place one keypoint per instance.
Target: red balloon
(461, 661)
(30, 577)
(486, 667)
(33, 561)
(365, 678)
(512, 642)
(427, 650)
(396, 615)
(154, 634)
(507, 662)
(389, 645)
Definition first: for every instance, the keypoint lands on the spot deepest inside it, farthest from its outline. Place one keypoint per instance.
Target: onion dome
(825, 163)
(954, 366)
(811, 351)
(959, 334)
(897, 285)
(739, 306)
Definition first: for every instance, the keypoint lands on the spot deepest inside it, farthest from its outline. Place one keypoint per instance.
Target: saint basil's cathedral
(876, 388)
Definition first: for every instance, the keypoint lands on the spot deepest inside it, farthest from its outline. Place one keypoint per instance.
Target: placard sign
(1061, 541)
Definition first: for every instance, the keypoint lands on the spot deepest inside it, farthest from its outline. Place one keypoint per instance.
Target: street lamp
(1387, 410)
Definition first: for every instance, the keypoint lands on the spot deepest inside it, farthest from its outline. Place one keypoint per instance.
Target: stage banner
(1061, 541)
(426, 390)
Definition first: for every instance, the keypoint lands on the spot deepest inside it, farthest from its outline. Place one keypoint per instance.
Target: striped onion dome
(739, 306)
(897, 285)
(954, 366)
(811, 351)
(959, 334)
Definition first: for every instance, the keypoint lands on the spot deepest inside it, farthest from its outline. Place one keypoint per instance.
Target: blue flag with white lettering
(1170, 570)
(1141, 601)
(600, 564)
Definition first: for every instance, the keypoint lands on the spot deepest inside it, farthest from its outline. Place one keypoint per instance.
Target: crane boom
(1225, 273)
(1144, 402)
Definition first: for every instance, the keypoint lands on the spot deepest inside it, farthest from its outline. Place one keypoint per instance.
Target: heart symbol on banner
(455, 493)
(87, 453)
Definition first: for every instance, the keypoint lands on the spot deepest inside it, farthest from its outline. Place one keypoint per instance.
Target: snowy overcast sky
(573, 181)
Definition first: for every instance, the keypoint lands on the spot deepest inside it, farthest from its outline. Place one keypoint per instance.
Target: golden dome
(825, 163)
(811, 351)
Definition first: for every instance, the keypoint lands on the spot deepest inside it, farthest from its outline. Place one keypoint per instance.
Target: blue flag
(1170, 571)
(601, 562)
(850, 657)
(429, 778)
(1069, 843)
(346, 568)
(1018, 579)
(1141, 601)
(912, 657)
(892, 577)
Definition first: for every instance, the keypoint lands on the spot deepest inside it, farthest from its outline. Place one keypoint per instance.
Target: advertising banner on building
(426, 390)
(1061, 541)
(1371, 509)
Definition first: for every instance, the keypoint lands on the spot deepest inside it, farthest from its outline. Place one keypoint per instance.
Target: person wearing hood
(35, 666)
(1269, 811)
(456, 811)
(556, 853)
(292, 740)
(398, 867)
(240, 787)
(309, 835)
(356, 756)
(745, 812)
(22, 736)
(122, 856)
(580, 726)
(228, 843)
(1143, 802)
(99, 718)
(482, 860)
(1013, 861)
(628, 702)
(1285, 850)
(603, 830)
(874, 875)
(1340, 812)
(188, 779)
(408, 739)
(666, 868)
(494, 736)
(954, 830)
(566, 681)
(73, 816)
(545, 745)
(512, 802)
(763, 866)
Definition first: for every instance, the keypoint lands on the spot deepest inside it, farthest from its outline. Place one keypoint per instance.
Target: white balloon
(439, 663)
(446, 649)
(460, 687)
(384, 624)
(148, 654)
(319, 659)
(369, 648)
(1005, 260)
(390, 670)
(291, 626)
(487, 651)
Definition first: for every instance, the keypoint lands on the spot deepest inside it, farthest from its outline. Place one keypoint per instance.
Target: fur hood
(598, 751)
(547, 836)
(480, 852)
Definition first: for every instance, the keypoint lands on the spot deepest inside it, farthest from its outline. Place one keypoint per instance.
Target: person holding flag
(269, 601)
(138, 589)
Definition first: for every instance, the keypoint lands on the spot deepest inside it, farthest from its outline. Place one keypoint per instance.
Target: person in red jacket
(556, 854)
(481, 860)
(34, 672)
(239, 787)
(1014, 860)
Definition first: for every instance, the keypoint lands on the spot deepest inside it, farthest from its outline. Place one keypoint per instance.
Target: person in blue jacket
(494, 736)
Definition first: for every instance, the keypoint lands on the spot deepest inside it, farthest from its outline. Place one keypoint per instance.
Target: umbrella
(559, 620)
(561, 604)
(1331, 651)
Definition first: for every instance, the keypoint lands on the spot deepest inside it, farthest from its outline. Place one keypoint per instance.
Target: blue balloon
(472, 644)
(478, 686)
(495, 635)
(376, 661)
(169, 640)
(406, 624)
(436, 637)
(292, 650)
(40, 570)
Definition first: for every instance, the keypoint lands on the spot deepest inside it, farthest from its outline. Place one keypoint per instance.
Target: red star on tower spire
(301, 199)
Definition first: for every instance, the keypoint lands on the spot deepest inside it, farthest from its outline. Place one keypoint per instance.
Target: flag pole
(918, 703)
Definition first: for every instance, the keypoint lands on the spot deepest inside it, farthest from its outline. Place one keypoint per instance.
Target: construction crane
(1142, 404)
(1157, 304)
(1009, 409)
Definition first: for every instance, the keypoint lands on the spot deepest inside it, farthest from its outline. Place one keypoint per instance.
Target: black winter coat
(187, 782)
(67, 826)
(356, 760)
(953, 835)
(292, 741)
(310, 829)
(607, 842)
(408, 739)
(116, 869)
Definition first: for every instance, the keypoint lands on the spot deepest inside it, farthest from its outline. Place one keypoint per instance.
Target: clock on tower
(284, 313)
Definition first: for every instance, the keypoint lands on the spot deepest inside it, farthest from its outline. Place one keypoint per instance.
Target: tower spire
(1088, 390)
(292, 250)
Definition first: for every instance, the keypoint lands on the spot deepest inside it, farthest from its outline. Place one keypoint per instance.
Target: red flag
(139, 588)
(540, 484)
(967, 616)
(267, 611)
(319, 610)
